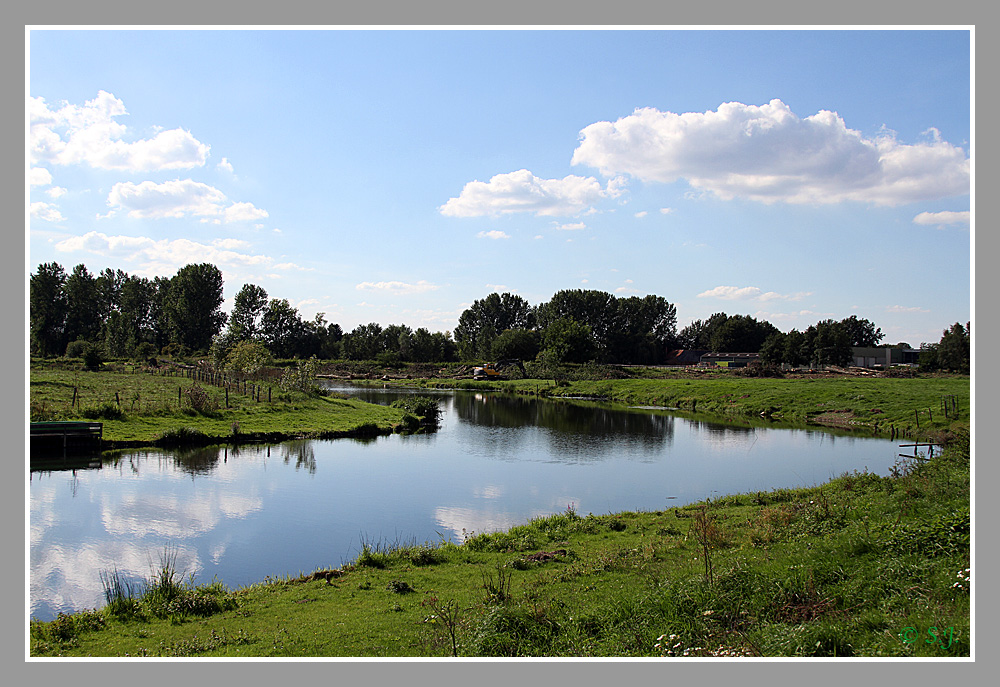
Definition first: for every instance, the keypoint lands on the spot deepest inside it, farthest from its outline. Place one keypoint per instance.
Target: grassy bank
(144, 406)
(861, 566)
(924, 406)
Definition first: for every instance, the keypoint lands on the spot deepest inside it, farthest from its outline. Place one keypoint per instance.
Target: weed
(446, 615)
(497, 590)
(399, 587)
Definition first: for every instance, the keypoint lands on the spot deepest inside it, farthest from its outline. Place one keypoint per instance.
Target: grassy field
(138, 407)
(927, 406)
(861, 566)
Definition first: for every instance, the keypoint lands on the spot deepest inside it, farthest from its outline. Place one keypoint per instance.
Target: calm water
(242, 515)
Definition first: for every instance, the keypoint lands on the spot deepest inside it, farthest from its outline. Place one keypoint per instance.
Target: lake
(243, 514)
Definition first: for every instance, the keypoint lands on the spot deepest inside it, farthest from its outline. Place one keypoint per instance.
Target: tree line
(126, 316)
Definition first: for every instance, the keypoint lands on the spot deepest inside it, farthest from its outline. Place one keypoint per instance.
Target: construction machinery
(495, 370)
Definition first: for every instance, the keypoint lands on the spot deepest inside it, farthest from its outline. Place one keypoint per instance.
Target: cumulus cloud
(55, 192)
(575, 226)
(666, 211)
(39, 176)
(44, 211)
(522, 191)
(495, 234)
(397, 288)
(941, 219)
(225, 164)
(166, 256)
(736, 293)
(90, 135)
(641, 214)
(178, 198)
(768, 154)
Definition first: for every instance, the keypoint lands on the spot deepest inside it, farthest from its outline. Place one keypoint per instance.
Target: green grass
(139, 407)
(910, 406)
(861, 566)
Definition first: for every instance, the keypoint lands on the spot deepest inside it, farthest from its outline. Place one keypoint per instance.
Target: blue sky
(395, 176)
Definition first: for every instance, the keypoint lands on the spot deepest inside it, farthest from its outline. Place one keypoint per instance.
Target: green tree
(698, 334)
(486, 319)
(281, 328)
(954, 351)
(47, 307)
(773, 348)
(194, 306)
(522, 344)
(364, 342)
(248, 357)
(862, 332)
(248, 310)
(831, 344)
(740, 334)
(567, 341)
(83, 318)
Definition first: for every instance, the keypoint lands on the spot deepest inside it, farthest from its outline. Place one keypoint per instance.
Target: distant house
(684, 357)
(728, 359)
(884, 357)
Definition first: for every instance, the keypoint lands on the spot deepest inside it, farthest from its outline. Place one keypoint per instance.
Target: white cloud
(39, 176)
(901, 308)
(179, 198)
(397, 288)
(244, 212)
(768, 154)
(666, 211)
(736, 293)
(495, 234)
(225, 164)
(55, 192)
(943, 218)
(641, 214)
(576, 226)
(167, 256)
(89, 135)
(44, 211)
(522, 191)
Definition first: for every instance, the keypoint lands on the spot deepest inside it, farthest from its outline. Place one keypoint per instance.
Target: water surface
(242, 514)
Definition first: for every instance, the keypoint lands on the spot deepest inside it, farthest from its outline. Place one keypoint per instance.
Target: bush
(93, 357)
(756, 368)
(76, 348)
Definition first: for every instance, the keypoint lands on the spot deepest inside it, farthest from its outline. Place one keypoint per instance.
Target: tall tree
(741, 334)
(194, 306)
(281, 328)
(248, 309)
(954, 351)
(862, 332)
(47, 309)
(83, 317)
(698, 334)
(486, 319)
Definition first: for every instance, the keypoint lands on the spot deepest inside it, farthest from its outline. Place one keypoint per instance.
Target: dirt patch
(837, 418)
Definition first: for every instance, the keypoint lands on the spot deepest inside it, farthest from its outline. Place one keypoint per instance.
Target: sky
(396, 176)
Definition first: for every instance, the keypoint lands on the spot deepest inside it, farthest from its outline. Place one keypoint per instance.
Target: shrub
(105, 411)
(76, 348)
(93, 356)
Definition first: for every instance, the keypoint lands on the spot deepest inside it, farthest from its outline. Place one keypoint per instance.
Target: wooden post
(268, 394)
(227, 396)
(916, 414)
(73, 403)
(117, 400)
